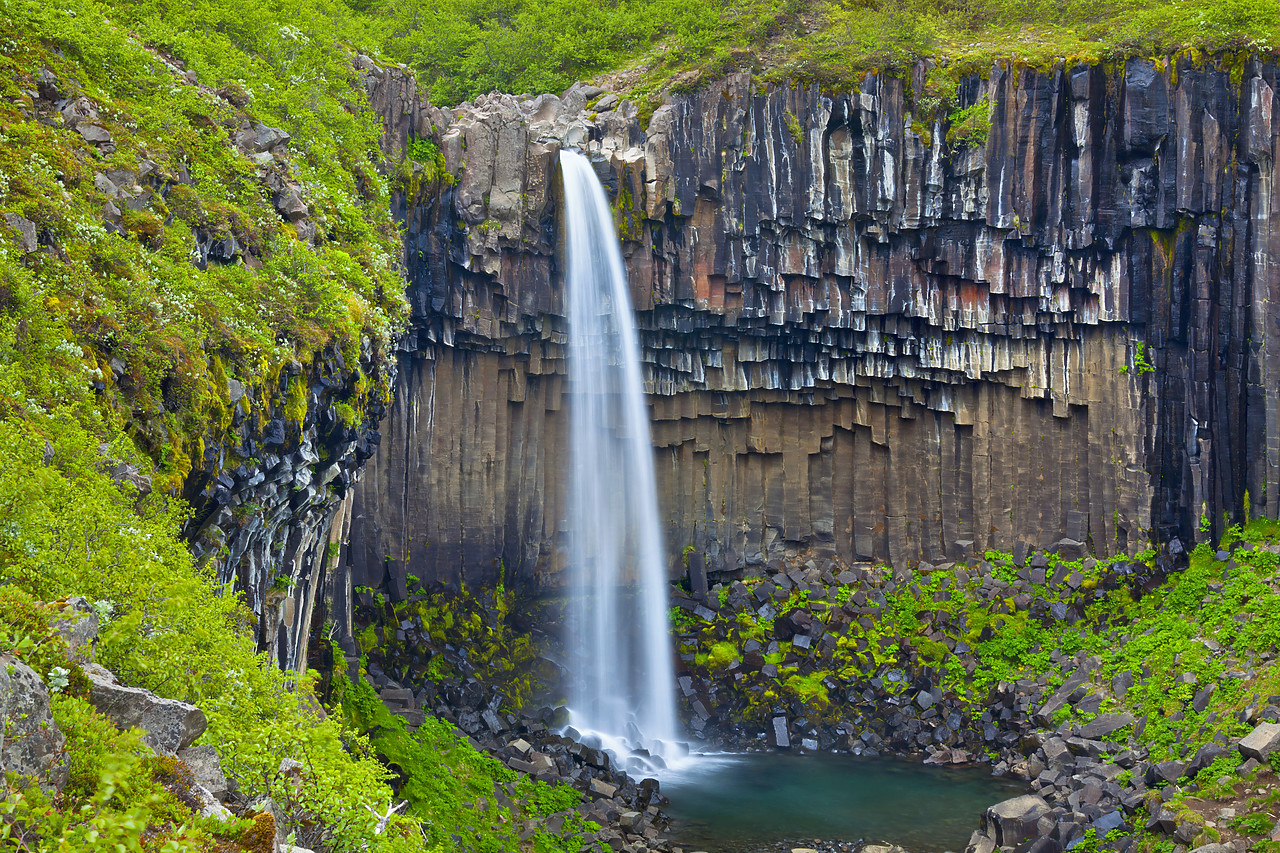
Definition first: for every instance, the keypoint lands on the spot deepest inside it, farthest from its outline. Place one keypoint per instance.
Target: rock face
(31, 744)
(170, 725)
(858, 340)
(268, 522)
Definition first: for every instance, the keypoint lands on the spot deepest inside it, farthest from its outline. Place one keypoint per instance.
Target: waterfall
(622, 689)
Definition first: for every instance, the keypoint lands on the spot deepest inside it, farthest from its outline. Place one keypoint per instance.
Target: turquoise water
(744, 803)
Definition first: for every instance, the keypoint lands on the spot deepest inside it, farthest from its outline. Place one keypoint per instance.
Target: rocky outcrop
(31, 744)
(272, 494)
(858, 340)
(169, 725)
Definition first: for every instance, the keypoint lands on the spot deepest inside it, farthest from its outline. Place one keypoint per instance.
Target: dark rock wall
(272, 495)
(858, 340)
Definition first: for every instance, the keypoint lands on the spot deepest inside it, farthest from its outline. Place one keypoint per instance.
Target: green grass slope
(464, 48)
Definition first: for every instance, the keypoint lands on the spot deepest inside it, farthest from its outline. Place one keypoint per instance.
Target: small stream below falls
(735, 804)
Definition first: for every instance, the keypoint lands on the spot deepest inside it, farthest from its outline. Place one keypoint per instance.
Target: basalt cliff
(863, 338)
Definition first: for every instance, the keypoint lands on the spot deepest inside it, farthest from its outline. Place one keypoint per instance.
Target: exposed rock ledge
(857, 340)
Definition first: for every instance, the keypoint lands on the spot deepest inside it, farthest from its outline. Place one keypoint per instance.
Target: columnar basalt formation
(271, 524)
(860, 339)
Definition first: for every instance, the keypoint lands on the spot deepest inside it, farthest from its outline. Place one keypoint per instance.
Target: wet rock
(778, 735)
(910, 271)
(1013, 821)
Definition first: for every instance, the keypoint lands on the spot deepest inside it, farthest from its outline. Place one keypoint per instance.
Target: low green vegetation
(477, 621)
(465, 48)
(454, 789)
(1207, 632)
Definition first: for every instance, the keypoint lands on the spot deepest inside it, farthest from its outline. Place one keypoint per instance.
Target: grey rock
(778, 735)
(1012, 822)
(1105, 724)
(601, 788)
(26, 229)
(1187, 831)
(290, 204)
(78, 625)
(980, 842)
(260, 138)
(208, 805)
(170, 725)
(1166, 771)
(48, 86)
(33, 745)
(1057, 754)
(269, 806)
(104, 185)
(206, 768)
(1162, 820)
(1205, 756)
(1121, 683)
(81, 109)
(94, 133)
(1261, 742)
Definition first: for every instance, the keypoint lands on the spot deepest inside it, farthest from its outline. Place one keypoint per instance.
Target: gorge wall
(859, 340)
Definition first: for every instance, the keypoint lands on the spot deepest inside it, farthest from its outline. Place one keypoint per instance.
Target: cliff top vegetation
(465, 48)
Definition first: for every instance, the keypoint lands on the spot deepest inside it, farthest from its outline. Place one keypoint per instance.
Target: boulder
(206, 768)
(1057, 754)
(290, 204)
(1013, 822)
(94, 133)
(1105, 724)
(26, 231)
(78, 625)
(601, 788)
(980, 842)
(32, 744)
(170, 725)
(1166, 771)
(1261, 742)
(778, 735)
(259, 138)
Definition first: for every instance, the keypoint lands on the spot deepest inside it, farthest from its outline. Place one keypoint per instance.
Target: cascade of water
(623, 684)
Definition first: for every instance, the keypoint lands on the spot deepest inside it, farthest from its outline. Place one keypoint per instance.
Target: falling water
(622, 689)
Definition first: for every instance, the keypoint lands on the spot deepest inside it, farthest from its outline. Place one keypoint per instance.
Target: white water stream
(622, 688)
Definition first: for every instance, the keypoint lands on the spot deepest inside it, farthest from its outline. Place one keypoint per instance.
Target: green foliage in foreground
(464, 48)
(66, 528)
(452, 787)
